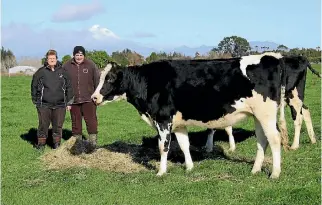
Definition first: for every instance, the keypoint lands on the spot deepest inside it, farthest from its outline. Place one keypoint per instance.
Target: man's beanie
(79, 49)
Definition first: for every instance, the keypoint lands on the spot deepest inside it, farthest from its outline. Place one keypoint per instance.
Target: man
(85, 78)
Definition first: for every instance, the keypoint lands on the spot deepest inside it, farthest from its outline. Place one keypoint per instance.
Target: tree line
(232, 46)
(8, 59)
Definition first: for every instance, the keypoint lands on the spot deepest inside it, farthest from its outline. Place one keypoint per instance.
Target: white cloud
(78, 12)
(102, 33)
(28, 40)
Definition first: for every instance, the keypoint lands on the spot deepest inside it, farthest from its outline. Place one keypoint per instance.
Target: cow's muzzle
(97, 98)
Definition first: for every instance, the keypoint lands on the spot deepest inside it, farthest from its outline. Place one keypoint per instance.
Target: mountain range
(146, 51)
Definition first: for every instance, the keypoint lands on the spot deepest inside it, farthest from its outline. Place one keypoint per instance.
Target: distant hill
(146, 51)
(190, 51)
(260, 44)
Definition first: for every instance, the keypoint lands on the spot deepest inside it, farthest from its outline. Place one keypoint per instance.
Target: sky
(30, 28)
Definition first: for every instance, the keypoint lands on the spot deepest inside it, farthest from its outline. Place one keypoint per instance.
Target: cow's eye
(110, 80)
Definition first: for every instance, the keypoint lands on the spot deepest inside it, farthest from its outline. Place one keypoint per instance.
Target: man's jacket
(85, 79)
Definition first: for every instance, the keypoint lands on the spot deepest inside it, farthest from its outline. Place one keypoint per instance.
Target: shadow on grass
(149, 151)
(31, 136)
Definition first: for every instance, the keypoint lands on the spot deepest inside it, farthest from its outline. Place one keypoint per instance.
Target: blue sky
(31, 27)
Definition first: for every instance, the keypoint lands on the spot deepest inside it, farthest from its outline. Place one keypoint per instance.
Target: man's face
(51, 60)
(79, 58)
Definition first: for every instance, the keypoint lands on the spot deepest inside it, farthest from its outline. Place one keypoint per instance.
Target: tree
(8, 59)
(153, 57)
(135, 58)
(100, 58)
(66, 58)
(120, 58)
(43, 60)
(282, 48)
(30, 61)
(236, 46)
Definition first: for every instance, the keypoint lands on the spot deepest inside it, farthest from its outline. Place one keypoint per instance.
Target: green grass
(214, 180)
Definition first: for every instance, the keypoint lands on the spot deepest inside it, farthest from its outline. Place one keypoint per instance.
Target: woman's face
(51, 60)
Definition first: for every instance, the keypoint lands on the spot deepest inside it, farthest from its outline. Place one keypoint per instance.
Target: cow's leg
(210, 140)
(229, 131)
(261, 147)
(183, 140)
(164, 130)
(296, 105)
(267, 118)
(308, 123)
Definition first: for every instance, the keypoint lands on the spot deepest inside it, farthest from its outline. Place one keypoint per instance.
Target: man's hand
(68, 108)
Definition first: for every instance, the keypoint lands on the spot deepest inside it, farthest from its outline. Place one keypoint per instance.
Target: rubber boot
(92, 142)
(41, 144)
(78, 147)
(57, 141)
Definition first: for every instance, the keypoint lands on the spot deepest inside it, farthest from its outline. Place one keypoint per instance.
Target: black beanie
(79, 49)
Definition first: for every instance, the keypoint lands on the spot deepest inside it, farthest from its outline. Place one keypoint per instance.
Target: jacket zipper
(78, 82)
(42, 93)
(64, 93)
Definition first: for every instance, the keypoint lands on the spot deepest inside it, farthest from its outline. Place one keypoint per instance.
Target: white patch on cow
(255, 59)
(308, 122)
(265, 113)
(164, 155)
(98, 98)
(115, 99)
(242, 111)
(146, 118)
(297, 104)
(229, 131)
(183, 141)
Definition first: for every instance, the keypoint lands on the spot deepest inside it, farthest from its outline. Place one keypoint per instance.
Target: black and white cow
(173, 94)
(296, 70)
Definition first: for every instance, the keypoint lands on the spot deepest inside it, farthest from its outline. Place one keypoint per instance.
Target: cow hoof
(160, 173)
(255, 170)
(274, 176)
(295, 147)
(189, 167)
(207, 149)
(232, 149)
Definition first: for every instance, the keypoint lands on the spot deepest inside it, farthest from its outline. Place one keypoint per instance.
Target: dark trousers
(88, 110)
(54, 116)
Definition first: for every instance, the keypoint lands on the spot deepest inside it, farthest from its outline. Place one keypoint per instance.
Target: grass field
(217, 178)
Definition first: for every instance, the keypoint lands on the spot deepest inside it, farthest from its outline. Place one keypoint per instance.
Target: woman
(52, 93)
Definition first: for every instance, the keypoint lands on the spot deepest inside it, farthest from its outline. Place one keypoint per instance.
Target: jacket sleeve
(69, 89)
(34, 86)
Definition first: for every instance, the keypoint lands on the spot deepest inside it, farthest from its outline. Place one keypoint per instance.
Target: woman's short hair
(51, 52)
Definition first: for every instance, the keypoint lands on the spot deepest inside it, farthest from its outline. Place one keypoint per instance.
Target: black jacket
(51, 89)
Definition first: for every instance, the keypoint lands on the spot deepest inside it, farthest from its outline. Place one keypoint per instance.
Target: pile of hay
(101, 158)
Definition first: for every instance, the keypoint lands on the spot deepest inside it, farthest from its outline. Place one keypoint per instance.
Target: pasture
(220, 177)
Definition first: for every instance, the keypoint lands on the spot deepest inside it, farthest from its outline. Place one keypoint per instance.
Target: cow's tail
(312, 69)
(282, 123)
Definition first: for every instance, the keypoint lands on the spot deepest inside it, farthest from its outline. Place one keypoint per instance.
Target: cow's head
(110, 87)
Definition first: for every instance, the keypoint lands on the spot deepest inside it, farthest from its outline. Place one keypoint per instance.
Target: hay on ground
(101, 158)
